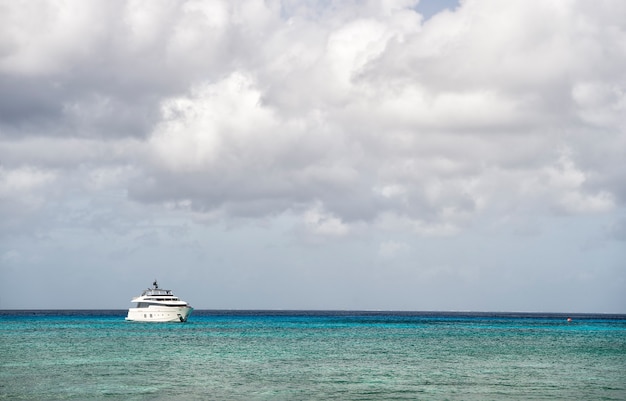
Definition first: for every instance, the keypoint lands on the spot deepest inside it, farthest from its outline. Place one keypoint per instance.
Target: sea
(312, 355)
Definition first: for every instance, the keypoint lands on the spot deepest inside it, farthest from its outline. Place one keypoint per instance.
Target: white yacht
(158, 305)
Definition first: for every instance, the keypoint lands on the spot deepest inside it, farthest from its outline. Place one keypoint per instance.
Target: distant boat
(158, 305)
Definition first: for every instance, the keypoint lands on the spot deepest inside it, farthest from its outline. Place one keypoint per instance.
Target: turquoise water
(59, 355)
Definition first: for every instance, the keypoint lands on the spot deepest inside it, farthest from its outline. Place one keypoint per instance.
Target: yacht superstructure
(159, 305)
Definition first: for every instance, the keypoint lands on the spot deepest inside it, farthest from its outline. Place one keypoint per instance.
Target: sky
(357, 154)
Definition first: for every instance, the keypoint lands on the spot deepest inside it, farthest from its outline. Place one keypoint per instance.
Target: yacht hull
(159, 314)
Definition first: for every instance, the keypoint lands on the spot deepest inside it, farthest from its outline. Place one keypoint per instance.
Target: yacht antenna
(155, 284)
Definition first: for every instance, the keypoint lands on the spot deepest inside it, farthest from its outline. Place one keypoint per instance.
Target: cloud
(617, 230)
(373, 152)
(351, 114)
(322, 223)
(23, 193)
(391, 249)
(23, 181)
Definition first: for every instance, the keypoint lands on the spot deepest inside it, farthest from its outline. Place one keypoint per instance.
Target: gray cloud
(349, 120)
(368, 112)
